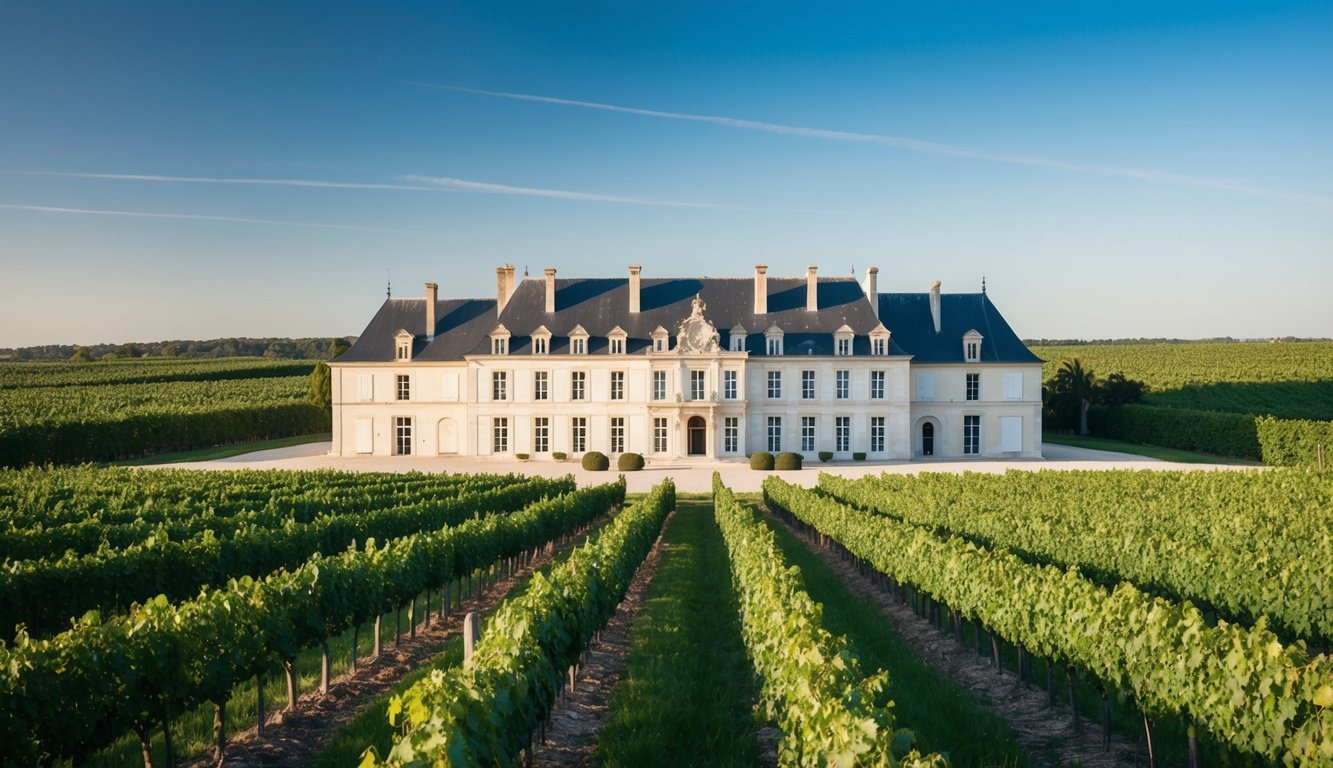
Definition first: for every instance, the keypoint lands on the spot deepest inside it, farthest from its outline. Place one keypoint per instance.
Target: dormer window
(402, 346)
(773, 340)
(578, 341)
(879, 340)
(972, 346)
(616, 340)
(661, 339)
(842, 341)
(738, 335)
(541, 341)
(500, 340)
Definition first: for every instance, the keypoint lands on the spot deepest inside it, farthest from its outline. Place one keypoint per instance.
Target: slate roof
(601, 304)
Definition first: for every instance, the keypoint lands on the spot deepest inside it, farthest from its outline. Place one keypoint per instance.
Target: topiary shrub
(761, 460)
(559, 455)
(787, 461)
(596, 461)
(825, 455)
(629, 462)
(521, 456)
(859, 456)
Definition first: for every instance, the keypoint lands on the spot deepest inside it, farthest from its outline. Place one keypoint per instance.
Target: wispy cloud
(420, 184)
(917, 145)
(195, 217)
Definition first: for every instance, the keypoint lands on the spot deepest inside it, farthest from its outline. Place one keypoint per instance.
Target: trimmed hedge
(629, 462)
(596, 461)
(859, 456)
(1293, 442)
(826, 455)
(787, 461)
(1224, 434)
(762, 460)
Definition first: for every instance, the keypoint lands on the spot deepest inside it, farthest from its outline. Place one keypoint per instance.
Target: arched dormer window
(879, 340)
(842, 341)
(541, 341)
(738, 334)
(773, 340)
(402, 342)
(661, 339)
(972, 346)
(616, 340)
(578, 341)
(500, 340)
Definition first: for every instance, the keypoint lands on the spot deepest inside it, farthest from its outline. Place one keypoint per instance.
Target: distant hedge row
(138, 434)
(1277, 442)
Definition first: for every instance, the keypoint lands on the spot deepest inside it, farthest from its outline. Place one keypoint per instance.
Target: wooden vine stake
(259, 703)
(289, 666)
(1195, 760)
(1147, 732)
(375, 653)
(220, 732)
(324, 666)
(471, 634)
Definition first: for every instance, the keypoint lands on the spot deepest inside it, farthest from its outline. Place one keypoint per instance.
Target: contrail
(198, 217)
(916, 145)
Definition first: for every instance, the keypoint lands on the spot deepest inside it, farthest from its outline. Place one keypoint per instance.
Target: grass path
(222, 451)
(1151, 451)
(687, 693)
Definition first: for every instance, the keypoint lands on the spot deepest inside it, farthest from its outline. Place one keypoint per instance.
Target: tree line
(276, 348)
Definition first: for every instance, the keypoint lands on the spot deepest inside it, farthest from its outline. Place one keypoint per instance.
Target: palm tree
(1078, 382)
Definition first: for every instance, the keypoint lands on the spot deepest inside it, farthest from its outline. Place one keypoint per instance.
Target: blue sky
(193, 170)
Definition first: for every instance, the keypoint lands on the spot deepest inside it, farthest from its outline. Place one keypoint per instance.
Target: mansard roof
(599, 305)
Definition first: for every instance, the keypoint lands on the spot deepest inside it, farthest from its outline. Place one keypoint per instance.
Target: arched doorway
(928, 439)
(698, 436)
(448, 435)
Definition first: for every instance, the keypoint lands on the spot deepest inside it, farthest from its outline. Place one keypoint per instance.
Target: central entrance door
(698, 436)
(927, 439)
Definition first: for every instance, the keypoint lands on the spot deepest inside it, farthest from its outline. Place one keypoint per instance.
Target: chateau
(689, 367)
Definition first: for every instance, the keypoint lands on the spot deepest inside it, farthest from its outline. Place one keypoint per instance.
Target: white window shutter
(925, 386)
(365, 435)
(1013, 385)
(1011, 434)
(365, 387)
(451, 386)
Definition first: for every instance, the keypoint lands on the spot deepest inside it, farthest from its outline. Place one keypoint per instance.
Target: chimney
(935, 304)
(509, 282)
(504, 286)
(811, 289)
(550, 290)
(872, 289)
(760, 289)
(432, 293)
(634, 288)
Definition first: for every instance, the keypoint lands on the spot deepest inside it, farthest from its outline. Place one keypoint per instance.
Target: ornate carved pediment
(696, 334)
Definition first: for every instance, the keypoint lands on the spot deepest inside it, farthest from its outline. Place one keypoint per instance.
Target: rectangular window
(729, 385)
(774, 345)
(541, 435)
(539, 345)
(1013, 385)
(774, 434)
(617, 346)
(540, 390)
(807, 385)
(617, 385)
(774, 385)
(697, 385)
(659, 345)
(737, 343)
(973, 386)
(578, 346)
(731, 437)
(402, 429)
(365, 387)
(659, 385)
(879, 346)
(578, 434)
(1011, 434)
(842, 433)
(844, 347)
(971, 435)
(925, 386)
(365, 435)
(877, 385)
(499, 385)
(617, 434)
(500, 346)
(660, 435)
(844, 384)
(807, 434)
(578, 380)
(877, 434)
(403, 353)
(402, 387)
(500, 435)
(973, 351)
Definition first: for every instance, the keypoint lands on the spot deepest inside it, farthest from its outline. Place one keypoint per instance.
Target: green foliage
(828, 712)
(859, 456)
(295, 349)
(1295, 443)
(629, 462)
(826, 455)
(320, 393)
(485, 712)
(787, 460)
(1242, 684)
(522, 456)
(1189, 535)
(81, 355)
(1225, 434)
(595, 461)
(559, 455)
(761, 460)
(124, 673)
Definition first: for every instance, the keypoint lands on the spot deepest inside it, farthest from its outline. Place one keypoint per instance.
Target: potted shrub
(596, 461)
(521, 456)
(859, 456)
(629, 462)
(559, 455)
(826, 455)
(787, 460)
(762, 460)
